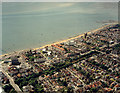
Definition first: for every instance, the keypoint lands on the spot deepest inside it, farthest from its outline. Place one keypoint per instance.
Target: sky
(47, 9)
(60, 0)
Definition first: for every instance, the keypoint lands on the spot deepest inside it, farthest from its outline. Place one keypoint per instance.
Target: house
(58, 48)
(49, 53)
(7, 61)
(15, 61)
(40, 60)
(25, 57)
(28, 89)
(19, 75)
(72, 42)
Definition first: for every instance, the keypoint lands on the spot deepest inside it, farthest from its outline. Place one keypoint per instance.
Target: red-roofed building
(58, 48)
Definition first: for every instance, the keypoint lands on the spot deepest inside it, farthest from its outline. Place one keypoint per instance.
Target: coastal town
(88, 63)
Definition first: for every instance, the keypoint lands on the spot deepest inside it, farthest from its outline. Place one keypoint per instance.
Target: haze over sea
(31, 25)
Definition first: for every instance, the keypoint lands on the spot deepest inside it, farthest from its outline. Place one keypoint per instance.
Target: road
(15, 86)
(105, 46)
(76, 76)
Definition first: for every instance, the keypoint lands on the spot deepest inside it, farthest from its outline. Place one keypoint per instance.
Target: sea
(31, 25)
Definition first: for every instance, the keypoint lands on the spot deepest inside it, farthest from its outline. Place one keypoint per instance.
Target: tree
(64, 83)
(32, 82)
(97, 48)
(12, 91)
(39, 90)
(7, 88)
(65, 49)
(93, 90)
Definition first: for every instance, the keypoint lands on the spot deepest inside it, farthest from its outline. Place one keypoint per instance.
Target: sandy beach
(59, 41)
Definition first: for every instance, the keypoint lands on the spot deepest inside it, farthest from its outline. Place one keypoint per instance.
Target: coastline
(73, 37)
(59, 41)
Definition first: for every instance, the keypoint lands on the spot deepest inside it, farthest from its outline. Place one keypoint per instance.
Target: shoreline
(89, 32)
(61, 41)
